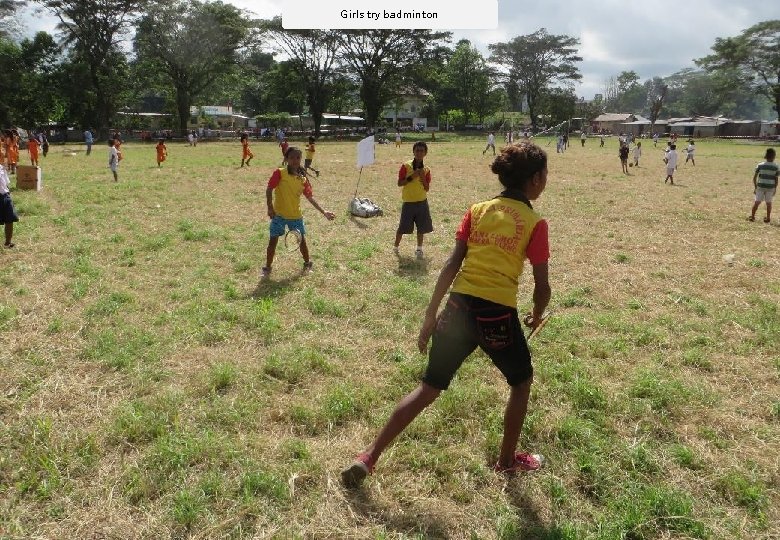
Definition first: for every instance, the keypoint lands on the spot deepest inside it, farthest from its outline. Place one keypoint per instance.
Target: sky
(650, 38)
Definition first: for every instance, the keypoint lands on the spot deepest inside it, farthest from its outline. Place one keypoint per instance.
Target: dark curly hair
(518, 163)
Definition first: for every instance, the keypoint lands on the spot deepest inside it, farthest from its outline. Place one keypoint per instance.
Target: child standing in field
(601, 145)
(689, 153)
(12, 150)
(415, 179)
(309, 157)
(491, 244)
(637, 153)
(623, 153)
(162, 152)
(671, 163)
(765, 181)
(113, 158)
(491, 143)
(32, 148)
(7, 212)
(246, 154)
(284, 145)
(398, 139)
(283, 196)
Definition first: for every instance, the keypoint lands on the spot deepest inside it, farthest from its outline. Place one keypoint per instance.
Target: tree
(94, 29)
(558, 103)
(656, 93)
(755, 54)
(313, 54)
(468, 78)
(193, 44)
(7, 9)
(536, 62)
(383, 61)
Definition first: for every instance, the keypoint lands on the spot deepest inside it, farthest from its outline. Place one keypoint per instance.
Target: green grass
(154, 387)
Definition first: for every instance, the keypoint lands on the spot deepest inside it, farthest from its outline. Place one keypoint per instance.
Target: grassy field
(153, 387)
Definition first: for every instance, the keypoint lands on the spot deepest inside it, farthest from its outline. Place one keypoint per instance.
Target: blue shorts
(280, 224)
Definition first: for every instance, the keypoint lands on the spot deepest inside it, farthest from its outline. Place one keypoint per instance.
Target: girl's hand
(330, 215)
(428, 326)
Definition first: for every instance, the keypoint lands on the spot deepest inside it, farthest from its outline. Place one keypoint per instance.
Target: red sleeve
(402, 173)
(538, 250)
(464, 229)
(276, 177)
(307, 192)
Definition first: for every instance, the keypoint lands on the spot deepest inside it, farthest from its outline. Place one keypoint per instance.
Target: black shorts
(468, 322)
(415, 214)
(7, 211)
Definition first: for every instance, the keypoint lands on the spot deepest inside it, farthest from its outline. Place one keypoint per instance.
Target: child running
(765, 184)
(7, 212)
(162, 152)
(284, 145)
(623, 153)
(309, 157)
(491, 244)
(637, 153)
(32, 148)
(690, 151)
(247, 154)
(415, 179)
(283, 196)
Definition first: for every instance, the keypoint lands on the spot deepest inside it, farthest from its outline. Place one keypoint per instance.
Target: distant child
(415, 179)
(398, 139)
(44, 144)
(246, 154)
(32, 148)
(637, 153)
(284, 145)
(623, 153)
(283, 196)
(765, 184)
(118, 145)
(690, 150)
(602, 142)
(491, 143)
(12, 150)
(7, 212)
(671, 163)
(162, 152)
(113, 158)
(309, 157)
(583, 136)
(655, 139)
(492, 243)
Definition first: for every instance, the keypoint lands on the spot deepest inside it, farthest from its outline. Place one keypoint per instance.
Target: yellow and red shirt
(416, 190)
(500, 234)
(287, 193)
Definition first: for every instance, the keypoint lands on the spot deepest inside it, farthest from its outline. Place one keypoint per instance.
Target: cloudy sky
(615, 35)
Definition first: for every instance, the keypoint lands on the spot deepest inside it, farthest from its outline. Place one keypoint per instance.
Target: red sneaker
(354, 475)
(523, 463)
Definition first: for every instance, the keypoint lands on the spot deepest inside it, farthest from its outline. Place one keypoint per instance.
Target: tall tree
(7, 9)
(538, 61)
(656, 93)
(193, 44)
(313, 54)
(755, 53)
(94, 29)
(382, 61)
(469, 78)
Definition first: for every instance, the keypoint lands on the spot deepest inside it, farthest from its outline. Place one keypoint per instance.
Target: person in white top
(671, 163)
(583, 136)
(491, 143)
(7, 212)
(113, 159)
(690, 150)
(637, 153)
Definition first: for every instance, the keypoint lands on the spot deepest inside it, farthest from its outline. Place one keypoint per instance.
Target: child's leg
(768, 211)
(9, 233)
(420, 237)
(753, 211)
(116, 176)
(398, 236)
(271, 251)
(304, 247)
(514, 416)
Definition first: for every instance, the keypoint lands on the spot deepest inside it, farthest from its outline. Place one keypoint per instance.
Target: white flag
(365, 152)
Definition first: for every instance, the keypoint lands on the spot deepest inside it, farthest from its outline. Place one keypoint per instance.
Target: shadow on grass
(358, 223)
(411, 266)
(274, 288)
(408, 521)
(531, 524)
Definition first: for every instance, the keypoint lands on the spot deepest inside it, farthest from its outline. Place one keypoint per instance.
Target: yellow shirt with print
(500, 232)
(414, 191)
(287, 194)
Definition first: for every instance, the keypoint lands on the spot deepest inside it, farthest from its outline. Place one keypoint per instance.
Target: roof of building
(614, 117)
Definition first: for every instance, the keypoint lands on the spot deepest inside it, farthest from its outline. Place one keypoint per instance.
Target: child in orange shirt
(162, 152)
(12, 150)
(247, 154)
(32, 147)
(284, 145)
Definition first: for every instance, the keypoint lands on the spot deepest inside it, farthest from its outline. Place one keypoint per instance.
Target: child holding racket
(491, 244)
(415, 179)
(283, 196)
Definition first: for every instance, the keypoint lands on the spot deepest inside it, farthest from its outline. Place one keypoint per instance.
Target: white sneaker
(419, 253)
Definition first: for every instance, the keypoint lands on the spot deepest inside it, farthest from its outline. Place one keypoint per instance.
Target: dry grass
(154, 388)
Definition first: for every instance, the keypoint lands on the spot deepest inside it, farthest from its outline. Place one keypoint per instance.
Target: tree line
(112, 55)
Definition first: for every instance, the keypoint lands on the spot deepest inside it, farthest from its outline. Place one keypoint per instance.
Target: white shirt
(4, 181)
(491, 139)
(637, 152)
(113, 156)
(671, 155)
(691, 148)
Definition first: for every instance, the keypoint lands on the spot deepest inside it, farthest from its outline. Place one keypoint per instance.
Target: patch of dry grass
(155, 388)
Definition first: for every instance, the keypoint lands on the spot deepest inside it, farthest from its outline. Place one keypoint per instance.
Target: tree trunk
(183, 103)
